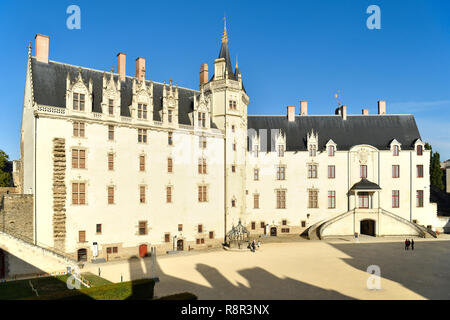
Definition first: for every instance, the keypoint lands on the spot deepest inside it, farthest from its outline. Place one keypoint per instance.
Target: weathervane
(338, 96)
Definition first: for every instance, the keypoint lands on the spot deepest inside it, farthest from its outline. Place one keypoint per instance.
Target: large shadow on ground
(425, 270)
(261, 285)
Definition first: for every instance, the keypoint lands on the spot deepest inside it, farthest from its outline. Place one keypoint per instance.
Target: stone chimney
(121, 65)
(365, 111)
(344, 112)
(381, 107)
(291, 113)
(203, 73)
(303, 108)
(140, 69)
(41, 47)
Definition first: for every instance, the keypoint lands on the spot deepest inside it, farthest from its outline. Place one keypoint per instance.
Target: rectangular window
(110, 161)
(142, 135)
(312, 171)
(395, 198)
(78, 193)
(78, 129)
(200, 228)
(115, 250)
(142, 163)
(180, 227)
(262, 225)
(281, 199)
(256, 174)
(312, 199)
(167, 237)
(281, 151)
(284, 222)
(81, 236)
(142, 194)
(284, 230)
(419, 198)
(331, 172)
(312, 150)
(202, 166)
(170, 139)
(110, 195)
(256, 201)
(142, 228)
(363, 200)
(281, 173)
(142, 111)
(395, 151)
(363, 171)
(202, 119)
(78, 101)
(111, 106)
(253, 225)
(419, 150)
(98, 228)
(202, 194)
(395, 171)
(233, 168)
(169, 194)
(78, 159)
(169, 165)
(419, 171)
(303, 224)
(202, 142)
(331, 151)
(331, 199)
(170, 116)
(211, 234)
(110, 133)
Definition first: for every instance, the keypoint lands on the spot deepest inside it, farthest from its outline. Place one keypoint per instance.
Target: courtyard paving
(333, 269)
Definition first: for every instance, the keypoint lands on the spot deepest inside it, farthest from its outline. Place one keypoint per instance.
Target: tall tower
(229, 103)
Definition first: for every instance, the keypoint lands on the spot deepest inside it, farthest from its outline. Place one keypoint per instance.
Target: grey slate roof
(365, 184)
(374, 130)
(49, 86)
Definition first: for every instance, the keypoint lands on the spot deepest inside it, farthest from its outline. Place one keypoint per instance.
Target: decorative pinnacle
(224, 36)
(29, 47)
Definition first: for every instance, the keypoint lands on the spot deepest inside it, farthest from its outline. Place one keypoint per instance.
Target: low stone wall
(16, 214)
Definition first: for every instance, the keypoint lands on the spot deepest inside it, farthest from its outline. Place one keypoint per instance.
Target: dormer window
(202, 119)
(170, 116)
(331, 151)
(281, 151)
(419, 150)
(395, 150)
(312, 150)
(111, 106)
(142, 111)
(78, 101)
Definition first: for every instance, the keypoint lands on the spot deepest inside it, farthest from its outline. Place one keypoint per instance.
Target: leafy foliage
(436, 173)
(5, 176)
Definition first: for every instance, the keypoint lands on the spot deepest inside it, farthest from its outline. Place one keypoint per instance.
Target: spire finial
(236, 61)
(338, 96)
(224, 37)
(29, 47)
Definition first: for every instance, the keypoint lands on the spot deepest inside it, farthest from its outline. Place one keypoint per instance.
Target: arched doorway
(273, 231)
(143, 250)
(82, 255)
(368, 227)
(180, 245)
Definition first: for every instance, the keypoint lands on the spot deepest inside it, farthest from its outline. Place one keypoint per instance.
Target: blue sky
(288, 51)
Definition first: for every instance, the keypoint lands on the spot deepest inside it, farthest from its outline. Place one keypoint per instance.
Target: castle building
(119, 163)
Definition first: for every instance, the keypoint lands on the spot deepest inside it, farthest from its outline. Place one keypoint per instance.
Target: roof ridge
(114, 73)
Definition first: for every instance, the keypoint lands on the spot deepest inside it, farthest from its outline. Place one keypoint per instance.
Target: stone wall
(59, 193)
(16, 215)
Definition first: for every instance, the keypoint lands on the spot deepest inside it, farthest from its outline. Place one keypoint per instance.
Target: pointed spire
(237, 62)
(224, 36)
(29, 48)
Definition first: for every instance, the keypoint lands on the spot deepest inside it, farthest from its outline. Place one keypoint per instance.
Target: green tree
(436, 173)
(5, 176)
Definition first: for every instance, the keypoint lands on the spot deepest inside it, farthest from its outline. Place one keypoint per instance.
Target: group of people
(409, 243)
(253, 245)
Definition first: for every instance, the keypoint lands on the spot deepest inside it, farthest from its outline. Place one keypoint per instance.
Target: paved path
(299, 270)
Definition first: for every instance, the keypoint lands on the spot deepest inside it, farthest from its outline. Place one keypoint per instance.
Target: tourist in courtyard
(412, 244)
(406, 244)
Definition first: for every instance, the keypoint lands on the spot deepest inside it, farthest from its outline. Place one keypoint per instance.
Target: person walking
(412, 244)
